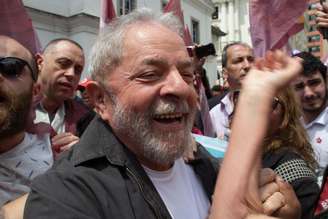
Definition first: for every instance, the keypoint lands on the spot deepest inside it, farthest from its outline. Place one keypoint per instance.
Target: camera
(202, 51)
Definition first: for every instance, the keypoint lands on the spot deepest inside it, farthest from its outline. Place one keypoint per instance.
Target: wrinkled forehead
(239, 51)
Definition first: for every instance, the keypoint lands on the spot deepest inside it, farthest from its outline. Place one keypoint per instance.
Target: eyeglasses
(275, 103)
(12, 67)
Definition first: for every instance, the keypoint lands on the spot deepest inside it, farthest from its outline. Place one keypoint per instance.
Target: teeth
(169, 116)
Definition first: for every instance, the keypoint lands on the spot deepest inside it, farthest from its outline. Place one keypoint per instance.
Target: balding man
(237, 60)
(23, 156)
(60, 68)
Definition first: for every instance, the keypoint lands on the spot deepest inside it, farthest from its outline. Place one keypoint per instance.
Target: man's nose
(247, 64)
(175, 85)
(70, 72)
(308, 92)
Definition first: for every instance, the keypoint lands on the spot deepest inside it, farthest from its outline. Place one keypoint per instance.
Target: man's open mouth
(169, 118)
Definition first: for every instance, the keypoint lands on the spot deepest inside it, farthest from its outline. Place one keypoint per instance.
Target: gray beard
(157, 147)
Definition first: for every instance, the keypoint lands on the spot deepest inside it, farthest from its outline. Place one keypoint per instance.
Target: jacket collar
(98, 141)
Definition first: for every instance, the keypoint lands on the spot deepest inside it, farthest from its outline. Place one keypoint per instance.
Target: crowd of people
(125, 149)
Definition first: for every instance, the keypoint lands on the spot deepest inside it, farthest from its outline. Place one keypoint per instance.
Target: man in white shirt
(60, 67)
(23, 156)
(311, 90)
(237, 59)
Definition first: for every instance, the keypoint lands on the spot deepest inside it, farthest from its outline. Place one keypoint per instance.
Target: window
(314, 49)
(314, 38)
(312, 17)
(195, 31)
(126, 6)
(164, 3)
(312, 28)
(215, 15)
(312, 6)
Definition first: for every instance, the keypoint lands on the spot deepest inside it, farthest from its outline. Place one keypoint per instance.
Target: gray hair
(225, 49)
(106, 54)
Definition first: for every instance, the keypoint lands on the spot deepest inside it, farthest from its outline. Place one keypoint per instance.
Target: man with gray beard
(129, 161)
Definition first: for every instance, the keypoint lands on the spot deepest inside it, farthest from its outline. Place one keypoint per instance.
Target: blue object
(216, 147)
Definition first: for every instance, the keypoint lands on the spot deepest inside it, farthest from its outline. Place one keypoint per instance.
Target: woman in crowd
(287, 150)
(237, 195)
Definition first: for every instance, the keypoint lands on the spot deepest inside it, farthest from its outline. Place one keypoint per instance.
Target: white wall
(78, 20)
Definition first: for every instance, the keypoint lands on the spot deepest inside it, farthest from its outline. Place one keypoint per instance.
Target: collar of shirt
(58, 123)
(322, 119)
(227, 103)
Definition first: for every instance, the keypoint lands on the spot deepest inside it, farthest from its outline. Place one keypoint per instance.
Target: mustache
(166, 107)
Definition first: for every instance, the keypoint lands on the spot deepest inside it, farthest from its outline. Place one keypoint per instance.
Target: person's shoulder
(216, 100)
(288, 164)
(216, 109)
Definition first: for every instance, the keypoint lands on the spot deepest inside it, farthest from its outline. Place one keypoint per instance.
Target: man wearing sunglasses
(23, 155)
(60, 68)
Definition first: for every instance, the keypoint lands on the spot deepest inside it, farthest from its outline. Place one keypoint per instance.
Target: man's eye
(299, 87)
(149, 76)
(251, 59)
(314, 82)
(237, 61)
(64, 64)
(78, 70)
(188, 77)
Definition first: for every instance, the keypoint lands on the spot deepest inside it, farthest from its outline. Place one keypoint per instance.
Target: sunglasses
(12, 67)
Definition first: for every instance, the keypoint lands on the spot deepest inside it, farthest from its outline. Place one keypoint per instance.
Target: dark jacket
(101, 178)
(293, 169)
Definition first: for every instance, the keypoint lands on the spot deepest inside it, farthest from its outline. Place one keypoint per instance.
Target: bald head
(52, 45)
(11, 48)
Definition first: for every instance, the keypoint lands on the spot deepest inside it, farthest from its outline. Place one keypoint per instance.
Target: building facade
(232, 18)
(79, 20)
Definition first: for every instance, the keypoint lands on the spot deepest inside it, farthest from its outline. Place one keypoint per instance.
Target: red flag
(16, 23)
(273, 22)
(174, 6)
(187, 37)
(107, 12)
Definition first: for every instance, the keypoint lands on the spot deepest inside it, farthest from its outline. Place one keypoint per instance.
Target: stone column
(237, 28)
(231, 18)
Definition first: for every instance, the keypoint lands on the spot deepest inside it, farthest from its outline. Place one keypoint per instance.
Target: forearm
(248, 130)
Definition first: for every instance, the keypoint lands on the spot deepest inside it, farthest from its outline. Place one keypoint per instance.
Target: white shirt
(32, 157)
(220, 117)
(58, 123)
(181, 191)
(318, 135)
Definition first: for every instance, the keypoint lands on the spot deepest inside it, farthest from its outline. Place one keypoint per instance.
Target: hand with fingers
(64, 141)
(278, 197)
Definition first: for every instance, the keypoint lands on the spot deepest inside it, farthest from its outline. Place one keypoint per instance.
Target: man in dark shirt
(129, 161)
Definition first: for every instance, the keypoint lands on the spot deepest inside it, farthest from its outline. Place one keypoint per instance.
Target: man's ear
(36, 94)
(224, 74)
(39, 61)
(98, 96)
(225, 77)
